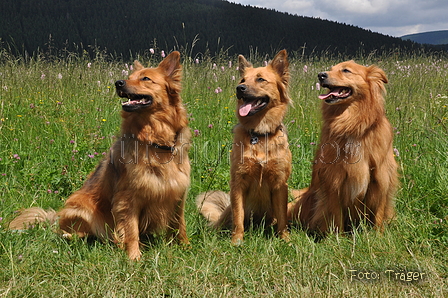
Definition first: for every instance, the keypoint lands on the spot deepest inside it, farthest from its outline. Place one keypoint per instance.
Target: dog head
(150, 87)
(263, 89)
(349, 81)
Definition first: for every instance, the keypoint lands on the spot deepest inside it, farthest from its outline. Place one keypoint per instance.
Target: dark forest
(125, 28)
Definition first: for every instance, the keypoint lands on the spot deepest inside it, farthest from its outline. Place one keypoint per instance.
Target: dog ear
(376, 74)
(171, 64)
(377, 78)
(280, 64)
(243, 64)
(137, 65)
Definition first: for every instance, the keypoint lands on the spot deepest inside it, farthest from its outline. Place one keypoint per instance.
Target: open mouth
(252, 105)
(335, 94)
(134, 101)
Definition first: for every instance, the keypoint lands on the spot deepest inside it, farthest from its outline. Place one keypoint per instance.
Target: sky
(390, 17)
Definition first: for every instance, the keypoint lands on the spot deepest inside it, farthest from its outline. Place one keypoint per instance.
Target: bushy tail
(212, 204)
(32, 216)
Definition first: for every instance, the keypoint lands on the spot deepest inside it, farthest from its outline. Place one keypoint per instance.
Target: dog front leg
(127, 229)
(131, 240)
(280, 208)
(237, 203)
(328, 218)
(178, 227)
(327, 214)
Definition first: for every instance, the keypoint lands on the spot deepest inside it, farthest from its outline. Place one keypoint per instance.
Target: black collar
(255, 136)
(163, 147)
(157, 146)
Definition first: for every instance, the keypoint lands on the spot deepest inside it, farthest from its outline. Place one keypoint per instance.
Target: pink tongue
(334, 92)
(245, 109)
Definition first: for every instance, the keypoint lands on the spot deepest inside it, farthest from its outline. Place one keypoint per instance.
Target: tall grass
(58, 117)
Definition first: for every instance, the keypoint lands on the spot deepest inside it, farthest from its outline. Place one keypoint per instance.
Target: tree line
(125, 28)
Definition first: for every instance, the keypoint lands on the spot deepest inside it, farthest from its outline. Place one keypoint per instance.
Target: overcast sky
(390, 17)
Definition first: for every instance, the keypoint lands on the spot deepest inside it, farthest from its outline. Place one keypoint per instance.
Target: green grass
(58, 117)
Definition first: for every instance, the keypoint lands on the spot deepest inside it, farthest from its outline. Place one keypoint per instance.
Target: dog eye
(346, 70)
(146, 79)
(259, 80)
(242, 81)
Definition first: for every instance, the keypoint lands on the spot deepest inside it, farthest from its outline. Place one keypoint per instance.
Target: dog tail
(212, 204)
(28, 218)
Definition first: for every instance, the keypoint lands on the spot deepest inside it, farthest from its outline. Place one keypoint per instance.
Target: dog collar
(255, 136)
(163, 147)
(157, 146)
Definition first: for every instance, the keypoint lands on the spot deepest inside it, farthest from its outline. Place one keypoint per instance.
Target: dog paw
(237, 241)
(67, 236)
(285, 236)
(133, 250)
(184, 243)
(134, 255)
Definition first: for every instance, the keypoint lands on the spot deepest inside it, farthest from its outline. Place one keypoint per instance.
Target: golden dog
(260, 157)
(140, 188)
(354, 174)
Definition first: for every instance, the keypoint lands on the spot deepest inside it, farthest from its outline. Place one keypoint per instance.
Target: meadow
(59, 116)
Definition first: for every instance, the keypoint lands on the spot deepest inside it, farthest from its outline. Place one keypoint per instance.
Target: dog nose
(241, 88)
(120, 83)
(322, 76)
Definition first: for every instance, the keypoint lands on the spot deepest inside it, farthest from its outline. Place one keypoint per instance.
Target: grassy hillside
(58, 119)
(433, 38)
(121, 27)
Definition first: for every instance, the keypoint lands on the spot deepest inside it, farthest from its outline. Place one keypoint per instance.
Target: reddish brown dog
(260, 158)
(354, 174)
(140, 188)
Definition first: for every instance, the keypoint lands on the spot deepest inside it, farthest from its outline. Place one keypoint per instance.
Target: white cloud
(363, 7)
(391, 17)
(296, 6)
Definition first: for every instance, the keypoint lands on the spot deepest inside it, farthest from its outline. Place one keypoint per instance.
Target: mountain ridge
(439, 37)
(124, 28)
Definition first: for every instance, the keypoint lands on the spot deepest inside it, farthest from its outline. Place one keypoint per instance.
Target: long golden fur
(354, 175)
(140, 188)
(260, 158)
